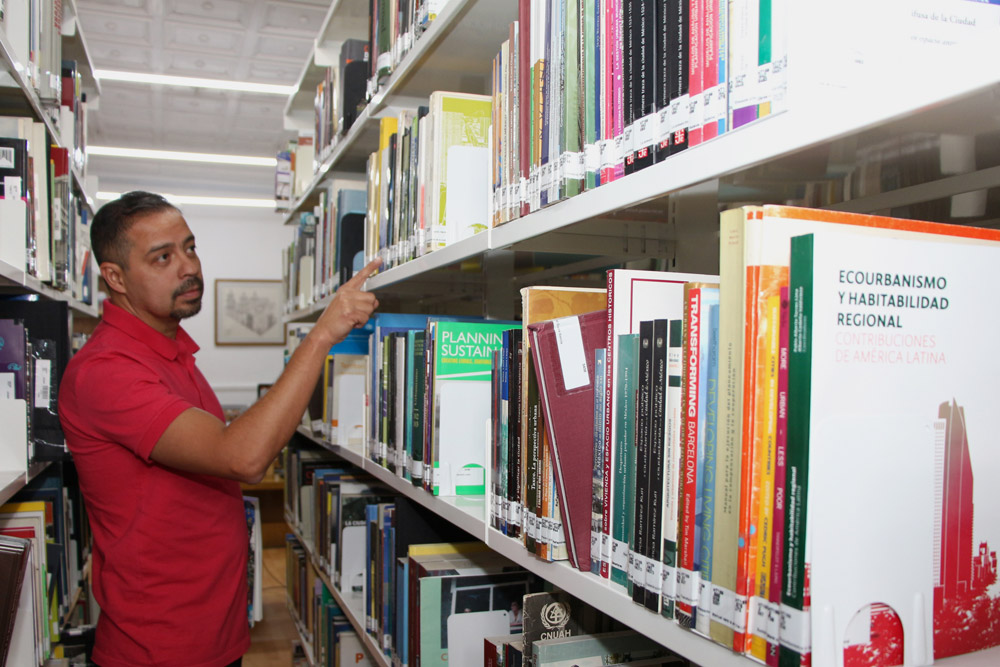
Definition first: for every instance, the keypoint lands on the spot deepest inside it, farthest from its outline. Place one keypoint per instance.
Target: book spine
(710, 68)
(645, 133)
(678, 16)
(630, 59)
(722, 91)
(515, 524)
(590, 76)
(764, 524)
(795, 649)
(532, 456)
(608, 57)
(500, 504)
(696, 54)
(687, 577)
(618, 85)
(609, 422)
(743, 18)
(764, 65)
(545, 107)
(625, 400)
(707, 445)
(640, 498)
(525, 31)
(663, 76)
(657, 454)
(724, 561)
(751, 287)
(672, 465)
(780, 448)
(597, 484)
(417, 408)
(573, 96)
(543, 543)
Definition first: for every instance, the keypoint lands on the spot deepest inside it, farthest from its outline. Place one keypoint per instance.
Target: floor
(271, 639)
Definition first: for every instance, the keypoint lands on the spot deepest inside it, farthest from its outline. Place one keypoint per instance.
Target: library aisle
(271, 639)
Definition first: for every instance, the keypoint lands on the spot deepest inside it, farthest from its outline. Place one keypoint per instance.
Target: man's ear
(114, 276)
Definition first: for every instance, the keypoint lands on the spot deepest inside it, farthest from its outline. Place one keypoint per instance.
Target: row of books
(393, 28)
(688, 513)
(44, 221)
(428, 182)
(734, 415)
(363, 68)
(46, 537)
(34, 34)
(588, 91)
(293, 171)
(341, 96)
(328, 246)
(34, 352)
(334, 643)
(426, 602)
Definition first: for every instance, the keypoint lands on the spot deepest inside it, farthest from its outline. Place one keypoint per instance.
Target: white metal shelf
(13, 277)
(12, 481)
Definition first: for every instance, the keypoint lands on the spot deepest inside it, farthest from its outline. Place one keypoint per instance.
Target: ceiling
(263, 41)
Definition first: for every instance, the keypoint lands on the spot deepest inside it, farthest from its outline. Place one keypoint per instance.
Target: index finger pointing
(364, 274)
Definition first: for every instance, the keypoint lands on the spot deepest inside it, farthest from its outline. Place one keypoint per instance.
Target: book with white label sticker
(563, 357)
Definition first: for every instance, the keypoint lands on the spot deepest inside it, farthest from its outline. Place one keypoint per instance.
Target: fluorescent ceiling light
(182, 156)
(190, 82)
(203, 201)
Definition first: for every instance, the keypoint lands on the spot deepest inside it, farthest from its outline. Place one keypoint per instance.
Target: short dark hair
(107, 230)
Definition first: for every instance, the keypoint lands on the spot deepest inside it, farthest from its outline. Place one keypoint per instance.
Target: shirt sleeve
(125, 402)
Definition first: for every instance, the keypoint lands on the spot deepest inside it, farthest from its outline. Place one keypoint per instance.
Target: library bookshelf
(857, 98)
(19, 98)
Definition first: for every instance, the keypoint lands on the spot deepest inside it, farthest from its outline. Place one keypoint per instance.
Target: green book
(463, 354)
(571, 146)
(589, 76)
(624, 488)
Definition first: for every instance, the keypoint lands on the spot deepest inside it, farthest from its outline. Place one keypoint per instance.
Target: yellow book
(463, 548)
(765, 434)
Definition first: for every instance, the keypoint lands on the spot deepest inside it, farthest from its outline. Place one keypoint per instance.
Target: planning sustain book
(892, 397)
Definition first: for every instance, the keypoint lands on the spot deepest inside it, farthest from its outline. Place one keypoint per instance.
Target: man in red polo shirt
(158, 466)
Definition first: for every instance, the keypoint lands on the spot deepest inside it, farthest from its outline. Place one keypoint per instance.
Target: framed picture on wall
(248, 312)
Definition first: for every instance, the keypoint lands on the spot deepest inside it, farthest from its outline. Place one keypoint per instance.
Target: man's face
(163, 279)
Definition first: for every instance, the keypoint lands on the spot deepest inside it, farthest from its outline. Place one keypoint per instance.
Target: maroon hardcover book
(562, 352)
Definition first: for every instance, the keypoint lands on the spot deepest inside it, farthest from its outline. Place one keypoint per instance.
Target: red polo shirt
(170, 548)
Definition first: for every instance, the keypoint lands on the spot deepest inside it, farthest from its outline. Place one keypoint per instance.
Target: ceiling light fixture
(203, 201)
(181, 156)
(191, 82)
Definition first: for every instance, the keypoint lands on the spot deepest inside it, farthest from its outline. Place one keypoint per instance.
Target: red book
(562, 352)
(687, 583)
(696, 67)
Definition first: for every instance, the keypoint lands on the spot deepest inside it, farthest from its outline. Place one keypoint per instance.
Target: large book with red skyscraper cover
(892, 405)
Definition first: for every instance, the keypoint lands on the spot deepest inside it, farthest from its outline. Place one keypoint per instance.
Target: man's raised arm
(198, 442)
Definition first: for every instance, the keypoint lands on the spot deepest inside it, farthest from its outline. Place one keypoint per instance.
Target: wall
(242, 243)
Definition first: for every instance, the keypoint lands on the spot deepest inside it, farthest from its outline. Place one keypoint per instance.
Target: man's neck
(166, 326)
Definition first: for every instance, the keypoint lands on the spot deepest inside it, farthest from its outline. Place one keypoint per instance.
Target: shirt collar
(135, 328)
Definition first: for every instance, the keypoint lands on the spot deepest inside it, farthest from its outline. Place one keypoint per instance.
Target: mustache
(191, 283)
